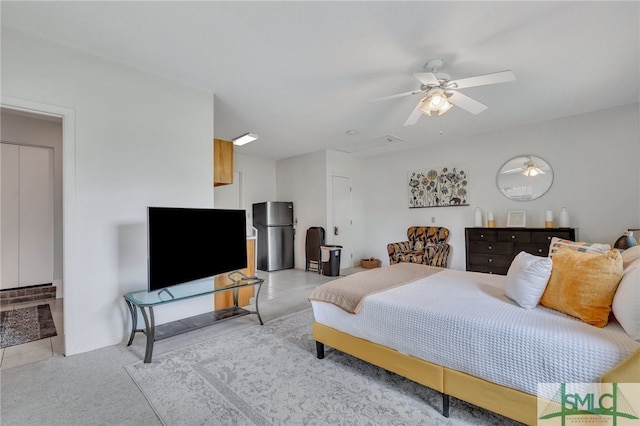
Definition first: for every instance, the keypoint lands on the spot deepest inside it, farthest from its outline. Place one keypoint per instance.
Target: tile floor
(277, 285)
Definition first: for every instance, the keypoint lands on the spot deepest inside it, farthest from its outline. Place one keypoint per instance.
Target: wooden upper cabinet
(222, 162)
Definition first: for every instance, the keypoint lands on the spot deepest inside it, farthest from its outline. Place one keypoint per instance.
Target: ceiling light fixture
(435, 103)
(244, 139)
(531, 169)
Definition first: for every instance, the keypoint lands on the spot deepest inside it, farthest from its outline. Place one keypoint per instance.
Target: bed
(457, 333)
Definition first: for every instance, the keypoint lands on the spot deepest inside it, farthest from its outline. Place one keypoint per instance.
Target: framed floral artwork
(438, 187)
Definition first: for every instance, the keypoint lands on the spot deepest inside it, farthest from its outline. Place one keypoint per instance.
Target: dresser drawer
(495, 261)
(490, 247)
(515, 236)
(542, 237)
(482, 235)
(539, 249)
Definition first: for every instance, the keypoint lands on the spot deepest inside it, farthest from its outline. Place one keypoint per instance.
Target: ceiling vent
(370, 144)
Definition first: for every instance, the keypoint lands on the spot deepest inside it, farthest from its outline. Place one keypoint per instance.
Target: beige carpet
(269, 375)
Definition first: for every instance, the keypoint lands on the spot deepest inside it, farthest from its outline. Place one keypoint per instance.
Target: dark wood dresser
(491, 250)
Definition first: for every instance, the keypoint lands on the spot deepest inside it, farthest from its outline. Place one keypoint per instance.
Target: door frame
(68, 189)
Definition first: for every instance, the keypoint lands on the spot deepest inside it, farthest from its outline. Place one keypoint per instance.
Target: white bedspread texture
(462, 320)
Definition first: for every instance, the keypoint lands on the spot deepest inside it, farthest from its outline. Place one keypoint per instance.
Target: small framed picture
(516, 219)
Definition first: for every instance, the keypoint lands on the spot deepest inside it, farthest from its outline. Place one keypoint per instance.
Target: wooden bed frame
(502, 400)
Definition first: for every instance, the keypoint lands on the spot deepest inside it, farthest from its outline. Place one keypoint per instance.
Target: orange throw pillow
(583, 284)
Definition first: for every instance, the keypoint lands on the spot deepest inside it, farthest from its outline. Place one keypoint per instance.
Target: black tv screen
(187, 244)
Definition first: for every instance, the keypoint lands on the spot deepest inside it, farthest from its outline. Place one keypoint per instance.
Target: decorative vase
(564, 218)
(490, 221)
(548, 219)
(477, 218)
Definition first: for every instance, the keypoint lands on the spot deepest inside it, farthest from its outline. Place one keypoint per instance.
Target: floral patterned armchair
(426, 245)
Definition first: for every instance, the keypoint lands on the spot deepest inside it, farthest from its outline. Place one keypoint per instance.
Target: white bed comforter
(463, 321)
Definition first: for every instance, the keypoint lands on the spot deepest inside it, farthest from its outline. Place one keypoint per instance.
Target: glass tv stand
(145, 301)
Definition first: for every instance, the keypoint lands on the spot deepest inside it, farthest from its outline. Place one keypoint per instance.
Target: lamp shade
(435, 103)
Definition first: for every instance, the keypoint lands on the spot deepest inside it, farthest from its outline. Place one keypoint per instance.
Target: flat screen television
(186, 244)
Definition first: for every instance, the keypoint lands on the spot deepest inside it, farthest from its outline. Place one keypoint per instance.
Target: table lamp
(625, 241)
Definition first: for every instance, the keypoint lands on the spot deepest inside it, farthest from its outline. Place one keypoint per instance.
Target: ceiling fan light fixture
(445, 107)
(531, 169)
(439, 92)
(435, 103)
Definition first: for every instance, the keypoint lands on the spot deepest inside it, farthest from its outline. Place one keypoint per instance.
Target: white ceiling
(300, 74)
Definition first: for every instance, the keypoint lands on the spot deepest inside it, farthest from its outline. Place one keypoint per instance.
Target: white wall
(139, 140)
(595, 158)
(596, 162)
(302, 180)
(306, 180)
(258, 180)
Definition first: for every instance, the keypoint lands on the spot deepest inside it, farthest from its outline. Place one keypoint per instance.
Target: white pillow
(626, 302)
(630, 256)
(527, 279)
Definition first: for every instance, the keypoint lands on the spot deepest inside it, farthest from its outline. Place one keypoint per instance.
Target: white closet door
(36, 215)
(34, 224)
(9, 215)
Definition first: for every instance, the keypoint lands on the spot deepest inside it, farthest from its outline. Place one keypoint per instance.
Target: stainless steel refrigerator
(274, 222)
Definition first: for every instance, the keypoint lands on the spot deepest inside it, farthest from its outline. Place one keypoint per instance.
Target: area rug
(269, 375)
(24, 325)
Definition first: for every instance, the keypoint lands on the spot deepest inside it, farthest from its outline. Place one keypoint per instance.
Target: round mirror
(524, 178)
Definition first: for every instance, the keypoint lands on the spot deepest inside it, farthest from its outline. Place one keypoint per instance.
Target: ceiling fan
(441, 93)
(528, 168)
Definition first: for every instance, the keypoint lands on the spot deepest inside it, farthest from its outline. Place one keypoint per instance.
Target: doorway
(64, 119)
(342, 229)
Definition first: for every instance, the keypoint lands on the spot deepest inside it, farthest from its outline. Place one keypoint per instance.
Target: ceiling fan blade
(524, 169)
(466, 103)
(399, 95)
(427, 78)
(518, 170)
(415, 115)
(482, 80)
